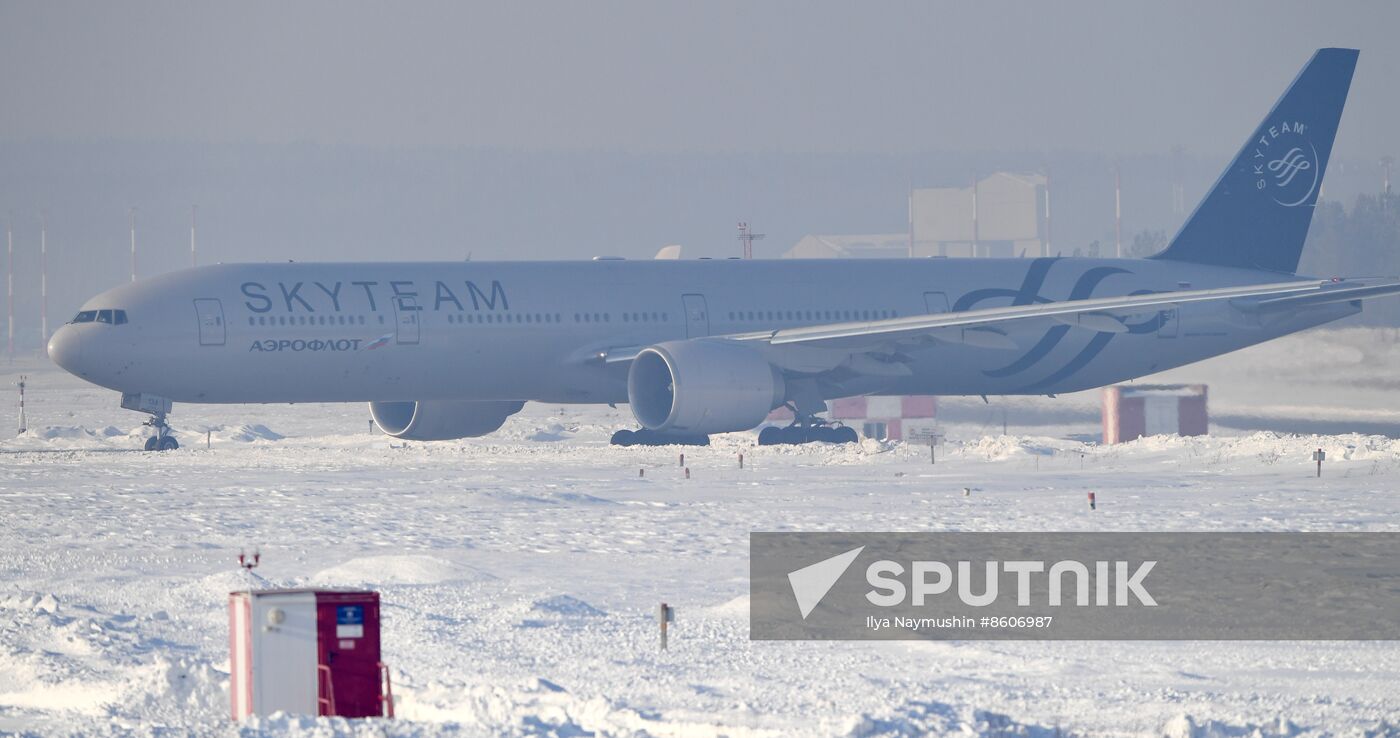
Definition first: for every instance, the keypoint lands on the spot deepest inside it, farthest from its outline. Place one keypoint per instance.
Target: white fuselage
(345, 332)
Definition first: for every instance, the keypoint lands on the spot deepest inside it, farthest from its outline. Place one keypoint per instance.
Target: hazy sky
(1114, 77)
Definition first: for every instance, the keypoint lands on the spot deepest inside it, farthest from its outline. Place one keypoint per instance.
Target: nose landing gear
(157, 408)
(162, 440)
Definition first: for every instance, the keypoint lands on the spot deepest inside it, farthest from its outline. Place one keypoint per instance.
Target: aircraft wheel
(168, 444)
(795, 435)
(152, 443)
(770, 436)
(847, 434)
(624, 437)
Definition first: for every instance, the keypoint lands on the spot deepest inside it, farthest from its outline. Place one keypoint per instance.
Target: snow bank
(381, 570)
(244, 433)
(566, 606)
(928, 717)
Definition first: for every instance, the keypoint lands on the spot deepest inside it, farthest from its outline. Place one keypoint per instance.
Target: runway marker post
(1093, 502)
(1319, 456)
(666, 615)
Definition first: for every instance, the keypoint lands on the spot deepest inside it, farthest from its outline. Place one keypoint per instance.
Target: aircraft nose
(66, 349)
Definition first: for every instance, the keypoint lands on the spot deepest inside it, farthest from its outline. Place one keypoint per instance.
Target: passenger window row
(630, 317)
(506, 318)
(282, 320)
(812, 315)
(119, 317)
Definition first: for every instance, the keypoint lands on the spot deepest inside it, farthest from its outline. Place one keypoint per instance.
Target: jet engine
(441, 420)
(702, 386)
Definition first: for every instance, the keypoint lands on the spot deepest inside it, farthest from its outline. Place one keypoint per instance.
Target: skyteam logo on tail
(1286, 164)
(379, 342)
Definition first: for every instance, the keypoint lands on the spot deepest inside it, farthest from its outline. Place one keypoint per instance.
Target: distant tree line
(1361, 242)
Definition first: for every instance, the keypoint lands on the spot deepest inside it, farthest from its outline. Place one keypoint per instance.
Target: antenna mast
(747, 238)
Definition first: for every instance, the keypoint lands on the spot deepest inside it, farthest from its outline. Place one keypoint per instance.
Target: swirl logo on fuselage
(1285, 163)
(1029, 293)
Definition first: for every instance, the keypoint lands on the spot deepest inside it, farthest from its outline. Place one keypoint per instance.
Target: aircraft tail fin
(1257, 214)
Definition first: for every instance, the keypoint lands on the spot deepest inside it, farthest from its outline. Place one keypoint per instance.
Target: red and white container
(307, 651)
(1131, 411)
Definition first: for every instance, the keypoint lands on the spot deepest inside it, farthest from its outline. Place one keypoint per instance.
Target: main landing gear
(805, 401)
(812, 430)
(158, 408)
(647, 437)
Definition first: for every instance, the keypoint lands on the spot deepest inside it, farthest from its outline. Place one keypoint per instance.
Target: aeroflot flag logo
(1073, 586)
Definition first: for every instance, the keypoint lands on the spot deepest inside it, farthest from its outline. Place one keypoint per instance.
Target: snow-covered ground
(521, 572)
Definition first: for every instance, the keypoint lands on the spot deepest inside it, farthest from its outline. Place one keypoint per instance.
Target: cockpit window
(110, 317)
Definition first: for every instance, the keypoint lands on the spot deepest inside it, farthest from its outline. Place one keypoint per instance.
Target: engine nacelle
(702, 386)
(441, 420)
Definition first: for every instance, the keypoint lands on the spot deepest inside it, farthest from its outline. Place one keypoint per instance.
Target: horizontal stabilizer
(1323, 297)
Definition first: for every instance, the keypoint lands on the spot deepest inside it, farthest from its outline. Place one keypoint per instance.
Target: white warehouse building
(1001, 215)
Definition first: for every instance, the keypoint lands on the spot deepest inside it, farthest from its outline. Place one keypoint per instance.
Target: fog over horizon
(361, 131)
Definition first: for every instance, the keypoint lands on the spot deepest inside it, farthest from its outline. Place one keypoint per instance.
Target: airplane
(697, 347)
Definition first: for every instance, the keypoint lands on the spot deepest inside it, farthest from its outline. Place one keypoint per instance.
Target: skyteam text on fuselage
(450, 350)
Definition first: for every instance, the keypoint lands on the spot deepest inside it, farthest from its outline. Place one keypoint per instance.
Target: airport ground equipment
(307, 651)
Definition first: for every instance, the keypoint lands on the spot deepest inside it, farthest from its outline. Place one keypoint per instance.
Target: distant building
(1002, 215)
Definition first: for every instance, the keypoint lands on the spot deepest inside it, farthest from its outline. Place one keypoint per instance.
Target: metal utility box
(307, 651)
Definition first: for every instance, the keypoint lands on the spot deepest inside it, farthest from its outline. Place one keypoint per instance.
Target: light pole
(43, 281)
(10, 288)
(194, 255)
(131, 220)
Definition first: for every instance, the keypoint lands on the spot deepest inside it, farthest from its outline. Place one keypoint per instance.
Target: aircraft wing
(989, 327)
(986, 327)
